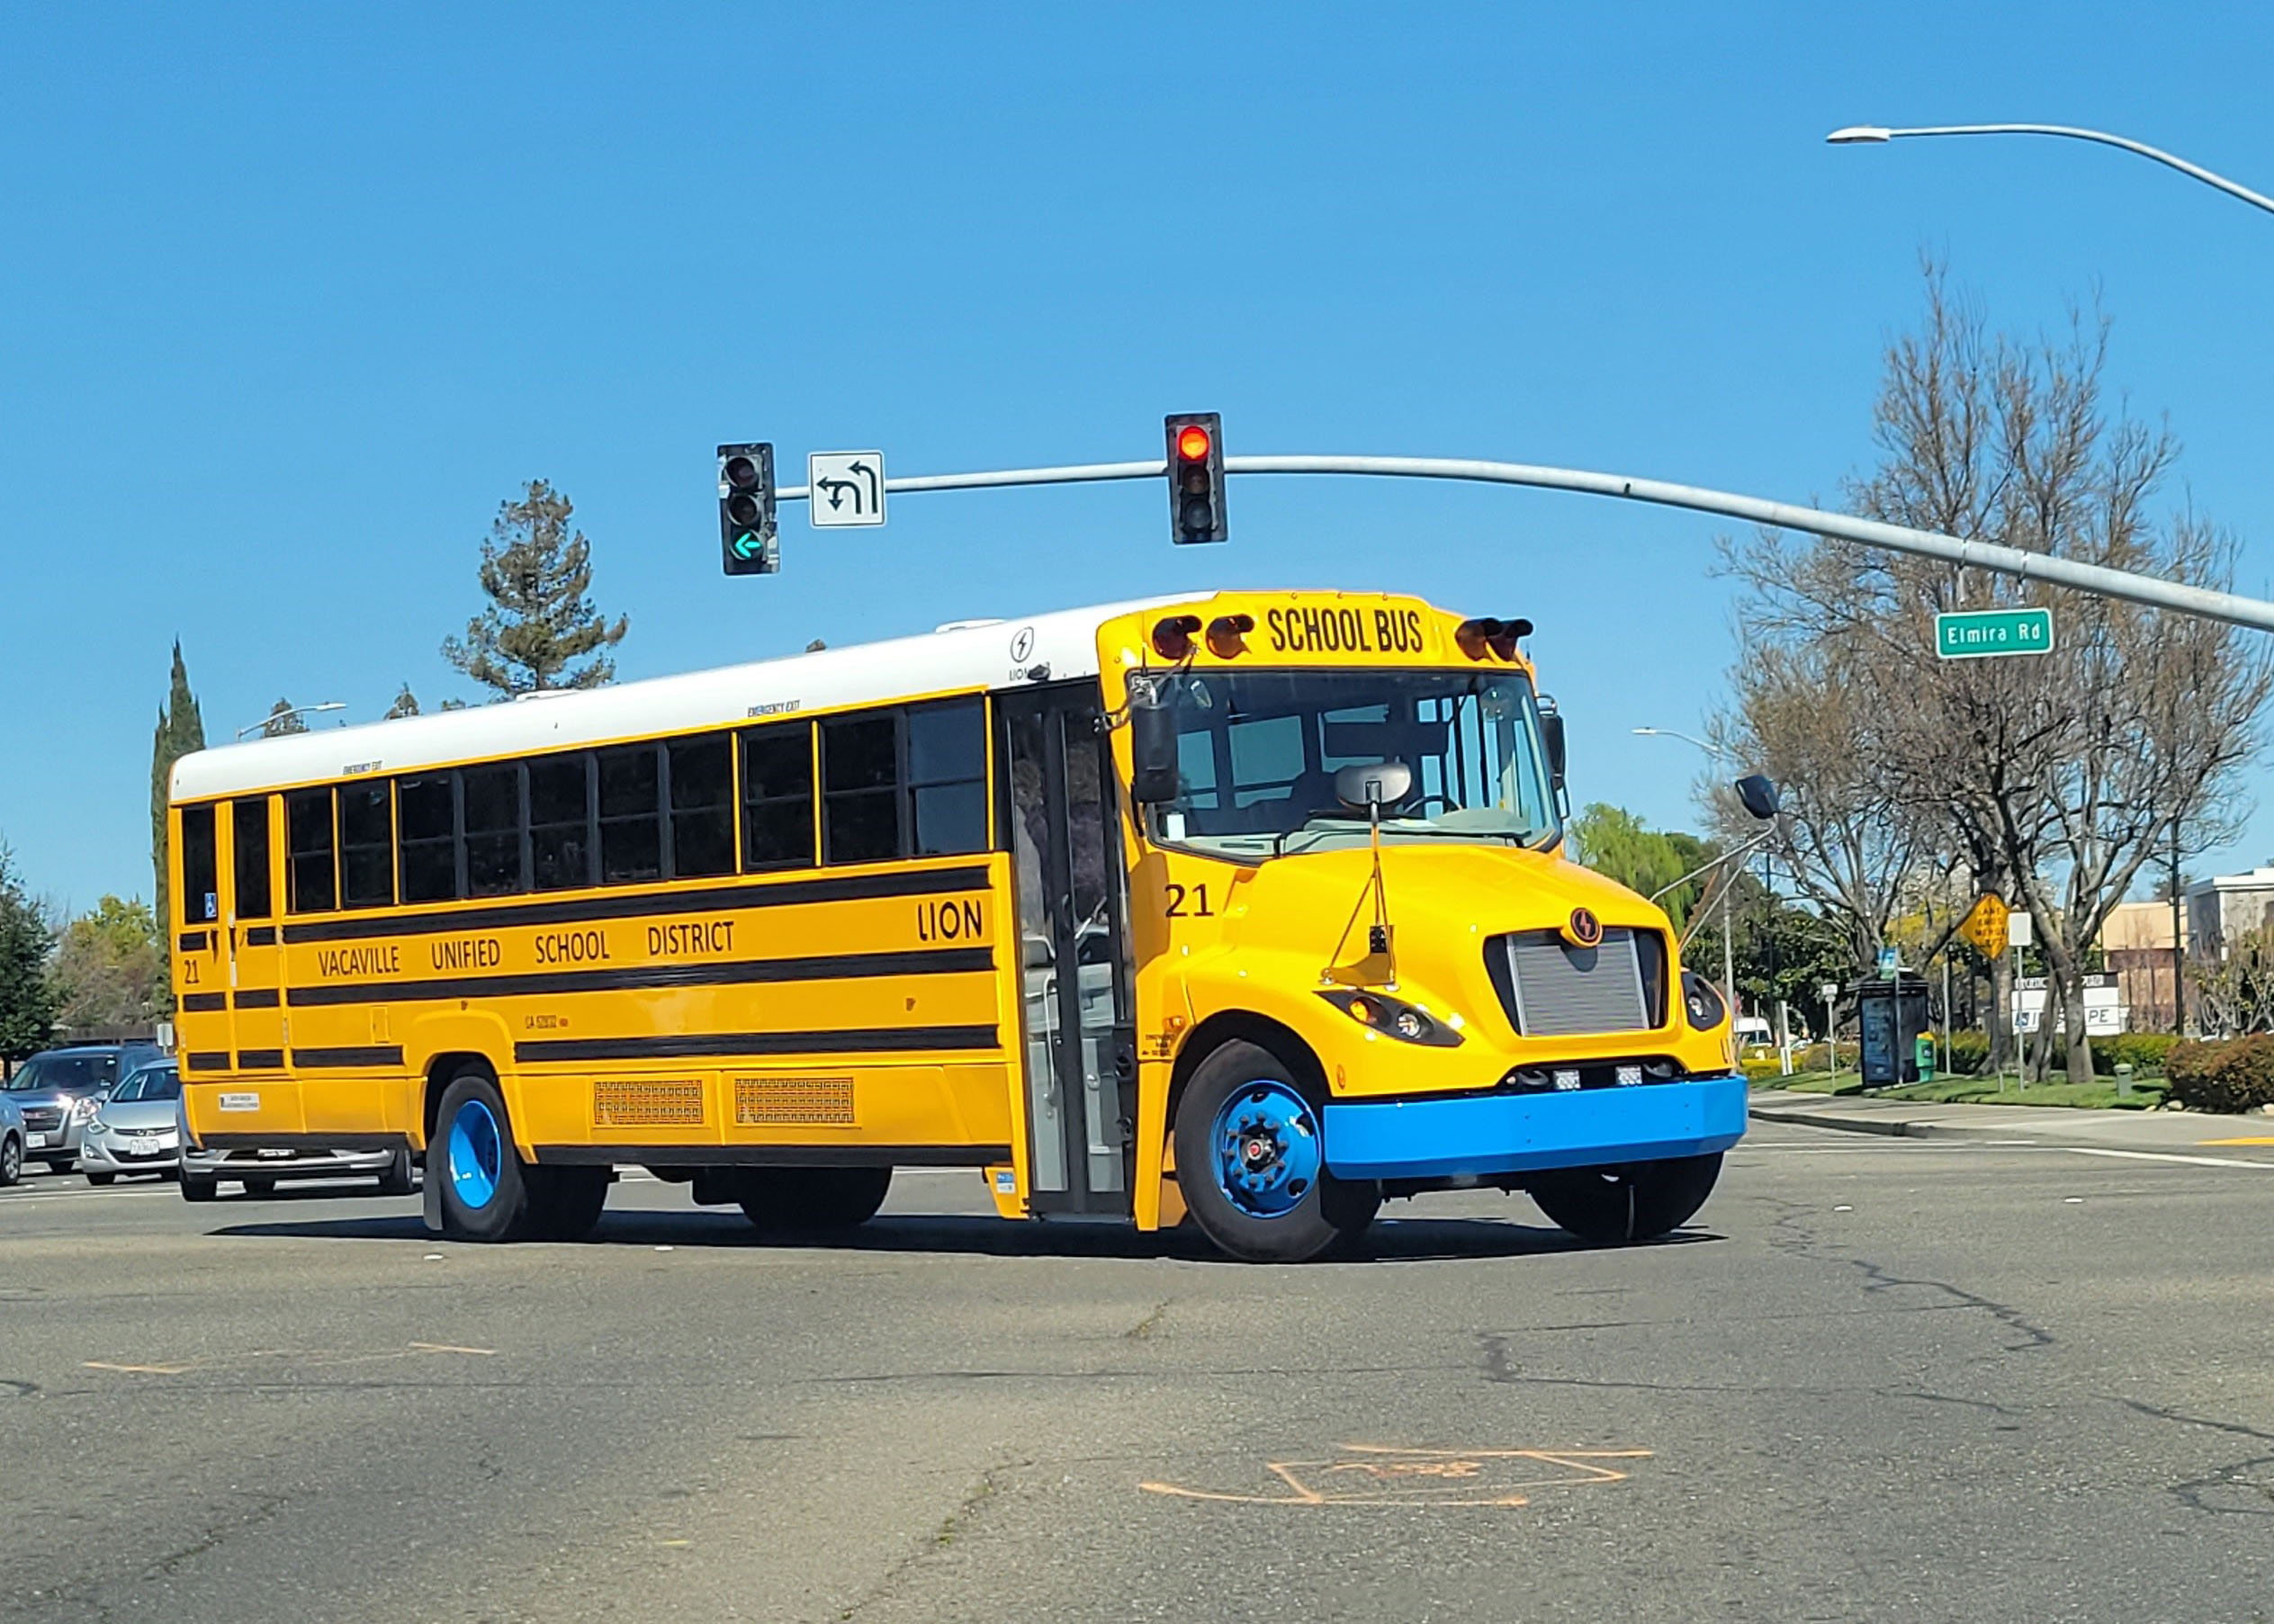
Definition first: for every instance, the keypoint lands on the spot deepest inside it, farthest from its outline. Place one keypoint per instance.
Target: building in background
(2228, 905)
(2135, 945)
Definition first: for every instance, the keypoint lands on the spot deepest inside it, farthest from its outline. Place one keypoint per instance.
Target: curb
(1895, 1127)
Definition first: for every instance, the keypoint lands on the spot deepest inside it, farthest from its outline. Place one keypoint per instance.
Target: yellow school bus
(1247, 908)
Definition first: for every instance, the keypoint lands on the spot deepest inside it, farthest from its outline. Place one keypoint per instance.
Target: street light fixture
(1872, 135)
(299, 710)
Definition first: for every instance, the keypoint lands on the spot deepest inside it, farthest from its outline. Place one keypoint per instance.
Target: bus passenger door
(248, 925)
(1081, 1045)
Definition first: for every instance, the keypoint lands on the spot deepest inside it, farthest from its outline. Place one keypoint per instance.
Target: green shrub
(2223, 1076)
(1969, 1054)
(1755, 1070)
(2143, 1052)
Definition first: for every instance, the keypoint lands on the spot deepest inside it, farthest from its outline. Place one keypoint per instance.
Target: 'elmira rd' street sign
(1984, 633)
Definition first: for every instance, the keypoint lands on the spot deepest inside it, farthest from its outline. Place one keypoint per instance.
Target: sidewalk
(2170, 1132)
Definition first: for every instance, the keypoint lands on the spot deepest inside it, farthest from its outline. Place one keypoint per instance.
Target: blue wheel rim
(1268, 1154)
(477, 1151)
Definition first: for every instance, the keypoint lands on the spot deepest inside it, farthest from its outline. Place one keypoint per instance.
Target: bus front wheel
(484, 1196)
(1252, 1165)
(1616, 1206)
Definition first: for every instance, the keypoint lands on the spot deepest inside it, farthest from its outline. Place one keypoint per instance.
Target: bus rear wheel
(1251, 1164)
(484, 1195)
(1617, 1205)
(813, 1197)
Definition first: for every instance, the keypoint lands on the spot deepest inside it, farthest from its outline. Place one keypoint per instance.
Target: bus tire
(815, 1198)
(200, 1189)
(1251, 1161)
(1618, 1205)
(484, 1195)
(564, 1202)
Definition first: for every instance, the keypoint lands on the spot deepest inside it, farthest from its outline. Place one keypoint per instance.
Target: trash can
(1923, 1056)
(1891, 1017)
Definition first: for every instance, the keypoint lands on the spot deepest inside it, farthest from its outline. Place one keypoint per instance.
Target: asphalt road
(1879, 1378)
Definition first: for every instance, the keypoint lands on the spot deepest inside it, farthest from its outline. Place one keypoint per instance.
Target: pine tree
(406, 704)
(282, 718)
(27, 1003)
(181, 731)
(535, 570)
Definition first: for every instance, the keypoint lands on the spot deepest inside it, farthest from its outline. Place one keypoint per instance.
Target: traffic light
(1196, 479)
(746, 531)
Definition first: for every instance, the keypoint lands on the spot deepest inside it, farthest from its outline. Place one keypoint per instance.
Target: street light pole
(1729, 948)
(1855, 135)
(269, 721)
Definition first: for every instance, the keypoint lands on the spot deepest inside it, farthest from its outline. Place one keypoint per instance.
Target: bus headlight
(1701, 1000)
(1393, 1018)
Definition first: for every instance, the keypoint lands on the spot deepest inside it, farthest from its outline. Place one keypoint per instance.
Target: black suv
(58, 1090)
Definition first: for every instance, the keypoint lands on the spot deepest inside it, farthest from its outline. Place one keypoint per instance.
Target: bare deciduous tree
(2051, 777)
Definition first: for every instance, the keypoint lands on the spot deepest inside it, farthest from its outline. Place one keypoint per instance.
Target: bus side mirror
(1152, 775)
(1759, 792)
(1552, 736)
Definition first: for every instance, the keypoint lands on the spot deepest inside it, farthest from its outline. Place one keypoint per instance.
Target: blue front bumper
(1482, 1135)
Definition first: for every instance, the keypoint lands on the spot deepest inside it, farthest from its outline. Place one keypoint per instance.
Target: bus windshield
(1257, 752)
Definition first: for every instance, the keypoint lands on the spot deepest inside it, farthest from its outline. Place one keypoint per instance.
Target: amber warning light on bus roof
(1196, 477)
(1479, 638)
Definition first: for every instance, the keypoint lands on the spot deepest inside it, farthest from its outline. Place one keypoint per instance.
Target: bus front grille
(1552, 989)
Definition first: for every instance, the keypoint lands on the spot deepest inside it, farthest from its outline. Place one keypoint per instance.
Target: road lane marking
(95, 1364)
(1390, 1474)
(2262, 1139)
(2082, 1150)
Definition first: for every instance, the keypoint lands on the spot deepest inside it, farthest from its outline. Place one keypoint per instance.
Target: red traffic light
(1192, 442)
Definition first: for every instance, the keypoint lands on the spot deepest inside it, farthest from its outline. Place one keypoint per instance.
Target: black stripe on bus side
(303, 1142)
(260, 1060)
(202, 1003)
(260, 936)
(372, 1055)
(203, 1060)
(257, 998)
(944, 961)
(778, 894)
(771, 1155)
(688, 1045)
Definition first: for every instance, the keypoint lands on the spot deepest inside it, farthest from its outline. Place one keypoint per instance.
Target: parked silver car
(136, 1131)
(60, 1089)
(260, 1168)
(11, 1139)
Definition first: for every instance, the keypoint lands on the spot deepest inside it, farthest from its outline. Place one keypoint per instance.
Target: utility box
(1892, 1016)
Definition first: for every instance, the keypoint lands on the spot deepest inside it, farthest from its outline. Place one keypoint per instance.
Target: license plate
(38, 1141)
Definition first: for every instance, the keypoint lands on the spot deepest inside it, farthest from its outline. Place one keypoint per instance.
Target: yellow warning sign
(1987, 924)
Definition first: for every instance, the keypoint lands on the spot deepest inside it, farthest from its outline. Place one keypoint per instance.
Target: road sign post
(1987, 633)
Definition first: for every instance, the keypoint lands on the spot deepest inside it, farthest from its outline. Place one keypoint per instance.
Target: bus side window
(311, 878)
(630, 814)
(702, 798)
(778, 796)
(367, 845)
(493, 831)
(947, 777)
(427, 819)
(861, 789)
(248, 841)
(200, 900)
(561, 822)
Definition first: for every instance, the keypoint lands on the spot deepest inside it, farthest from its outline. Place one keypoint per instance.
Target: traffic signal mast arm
(2228, 606)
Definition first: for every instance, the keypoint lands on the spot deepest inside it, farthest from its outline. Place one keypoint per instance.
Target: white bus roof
(961, 655)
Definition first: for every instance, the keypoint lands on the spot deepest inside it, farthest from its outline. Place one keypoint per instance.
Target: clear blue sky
(290, 299)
